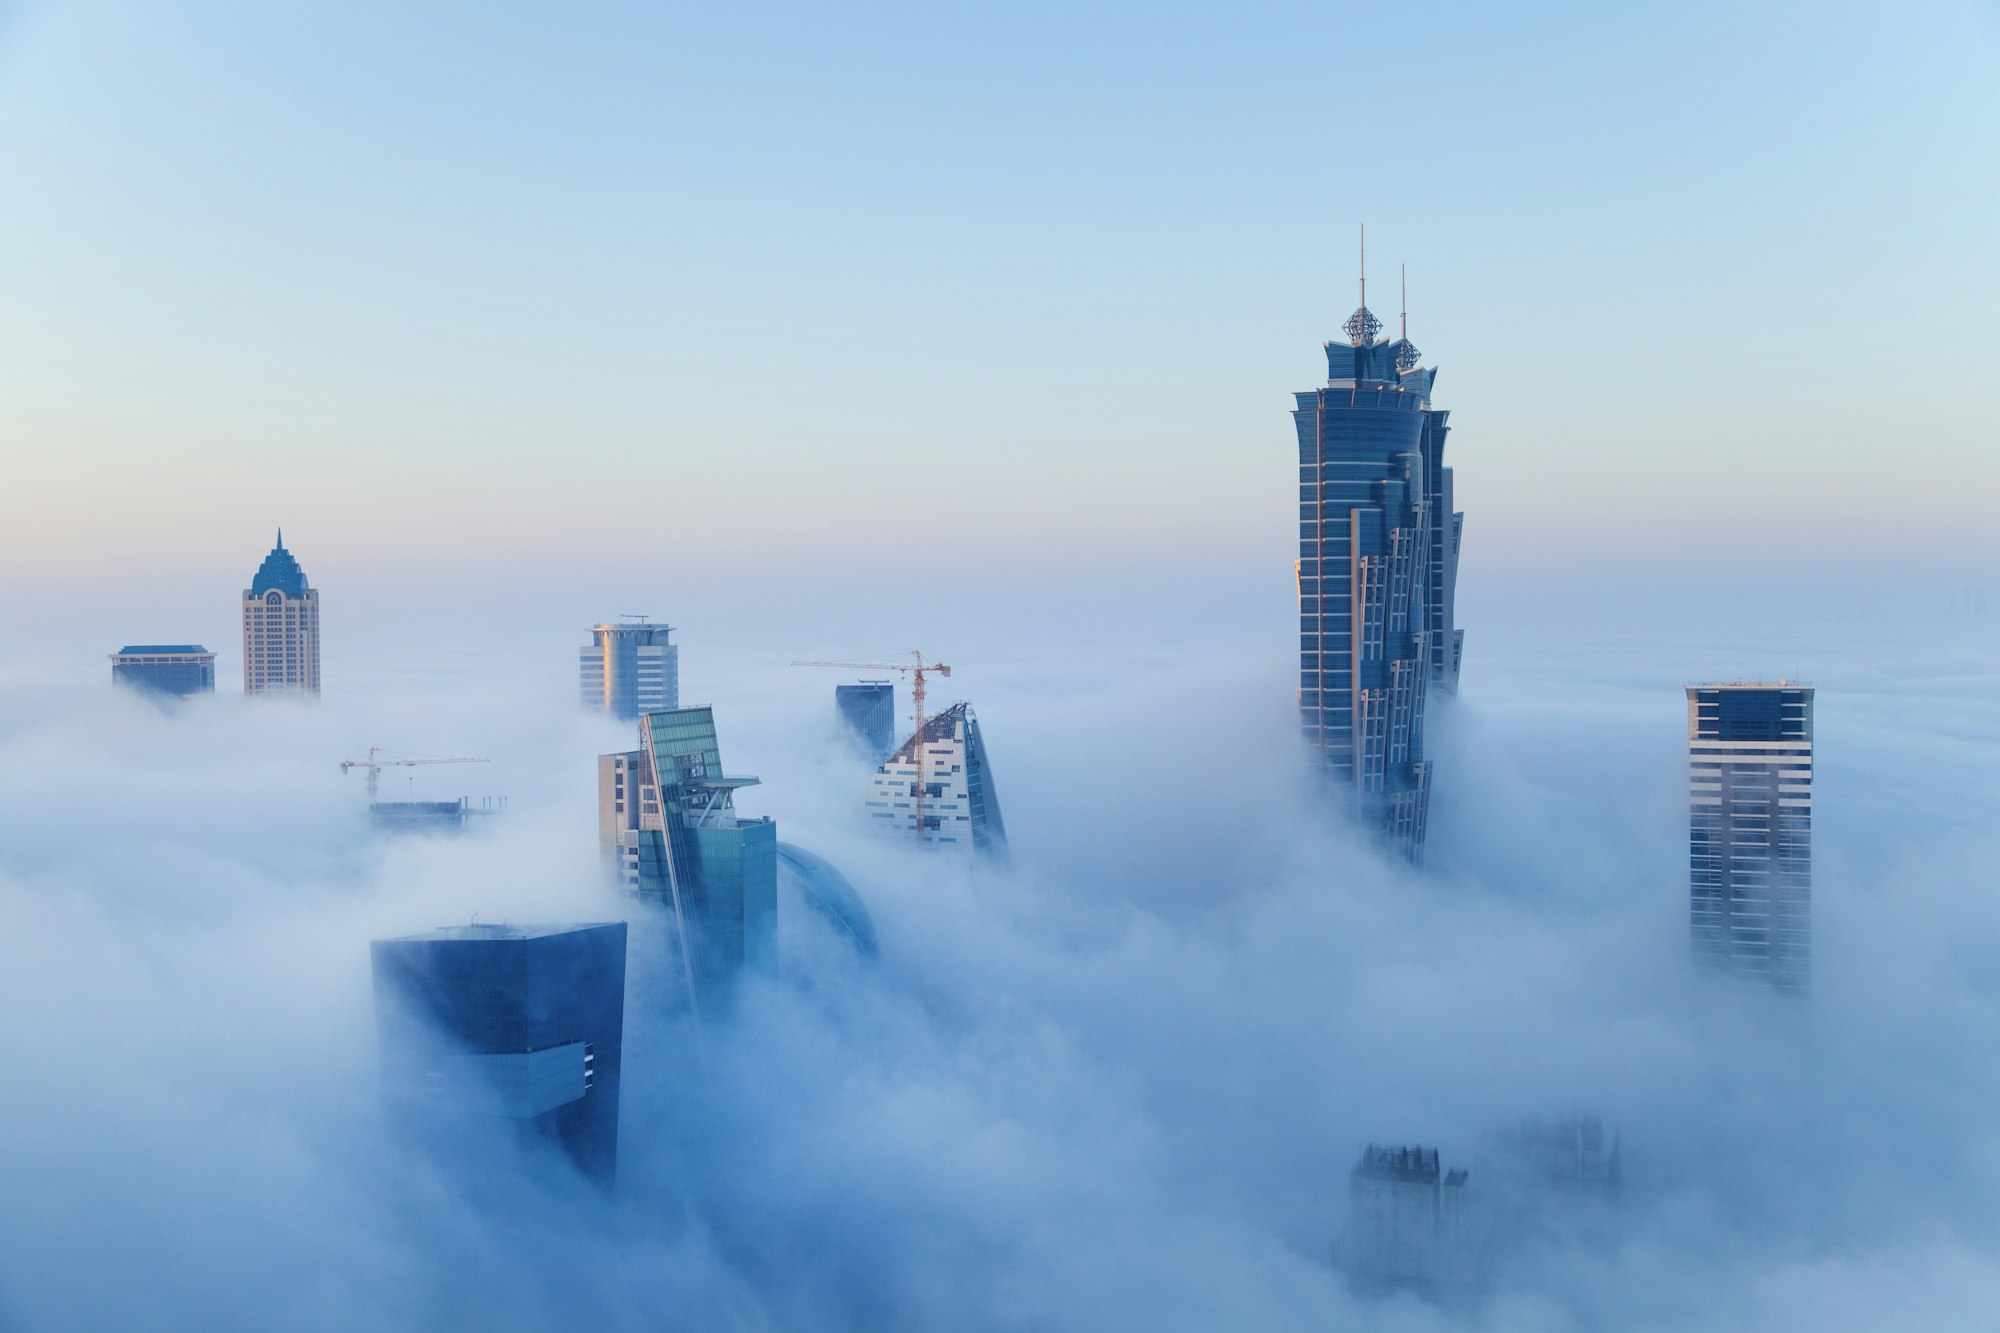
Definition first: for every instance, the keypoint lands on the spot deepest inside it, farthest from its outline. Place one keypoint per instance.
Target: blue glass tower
(716, 872)
(1378, 562)
(506, 1025)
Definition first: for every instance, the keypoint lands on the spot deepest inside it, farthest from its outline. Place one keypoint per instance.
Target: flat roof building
(629, 669)
(175, 669)
(1750, 778)
(507, 1025)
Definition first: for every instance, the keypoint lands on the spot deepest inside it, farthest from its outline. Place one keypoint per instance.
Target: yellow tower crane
(916, 672)
(375, 766)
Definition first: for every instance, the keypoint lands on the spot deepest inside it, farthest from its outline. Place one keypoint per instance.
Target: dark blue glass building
(868, 713)
(520, 1026)
(1378, 562)
(178, 669)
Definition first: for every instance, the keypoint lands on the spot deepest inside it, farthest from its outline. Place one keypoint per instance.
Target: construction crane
(375, 766)
(916, 671)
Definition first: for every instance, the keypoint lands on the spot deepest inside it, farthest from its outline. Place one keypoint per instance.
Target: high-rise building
(1750, 764)
(280, 628)
(1408, 1221)
(514, 1023)
(630, 669)
(1377, 570)
(868, 713)
(619, 780)
(960, 808)
(669, 831)
(178, 669)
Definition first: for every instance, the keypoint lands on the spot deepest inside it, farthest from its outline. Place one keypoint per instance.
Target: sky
(451, 289)
(833, 335)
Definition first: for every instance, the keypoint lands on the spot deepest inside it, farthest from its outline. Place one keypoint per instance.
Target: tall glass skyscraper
(1378, 563)
(1750, 764)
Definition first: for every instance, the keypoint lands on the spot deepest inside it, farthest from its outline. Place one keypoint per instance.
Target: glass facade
(630, 669)
(1377, 569)
(868, 713)
(1750, 764)
(521, 1022)
(961, 808)
(177, 669)
(717, 873)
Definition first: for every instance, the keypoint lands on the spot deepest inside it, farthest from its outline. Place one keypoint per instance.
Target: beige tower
(280, 628)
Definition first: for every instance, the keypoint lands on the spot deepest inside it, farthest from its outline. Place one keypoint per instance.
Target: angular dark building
(1377, 568)
(1750, 767)
(502, 1025)
(868, 714)
(174, 669)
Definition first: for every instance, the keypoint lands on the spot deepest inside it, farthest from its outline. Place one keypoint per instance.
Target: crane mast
(916, 672)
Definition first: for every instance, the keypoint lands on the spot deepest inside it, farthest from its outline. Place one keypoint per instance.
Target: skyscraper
(518, 1023)
(280, 628)
(960, 808)
(669, 831)
(1377, 570)
(1408, 1222)
(868, 713)
(630, 669)
(178, 669)
(1750, 764)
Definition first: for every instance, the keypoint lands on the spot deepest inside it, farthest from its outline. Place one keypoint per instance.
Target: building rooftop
(280, 571)
(161, 649)
(1419, 1165)
(505, 930)
(938, 728)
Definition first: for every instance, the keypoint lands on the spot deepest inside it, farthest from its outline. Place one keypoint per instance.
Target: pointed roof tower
(280, 571)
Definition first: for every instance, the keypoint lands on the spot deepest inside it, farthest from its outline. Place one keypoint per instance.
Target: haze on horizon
(518, 320)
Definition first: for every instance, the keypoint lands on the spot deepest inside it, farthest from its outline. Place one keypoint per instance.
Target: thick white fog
(1118, 1085)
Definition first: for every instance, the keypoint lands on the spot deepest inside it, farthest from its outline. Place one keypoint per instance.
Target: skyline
(491, 259)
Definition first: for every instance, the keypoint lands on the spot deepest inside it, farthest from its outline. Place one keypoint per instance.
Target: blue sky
(441, 282)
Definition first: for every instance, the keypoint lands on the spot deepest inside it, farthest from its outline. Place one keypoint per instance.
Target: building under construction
(939, 786)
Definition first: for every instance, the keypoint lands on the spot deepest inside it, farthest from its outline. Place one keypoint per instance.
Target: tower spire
(1407, 354)
(1361, 326)
(1403, 281)
(281, 539)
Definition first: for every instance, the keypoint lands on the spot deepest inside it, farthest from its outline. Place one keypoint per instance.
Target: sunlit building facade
(669, 832)
(280, 628)
(1377, 573)
(952, 794)
(1750, 770)
(629, 669)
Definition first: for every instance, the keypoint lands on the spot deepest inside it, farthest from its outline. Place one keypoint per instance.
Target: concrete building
(630, 669)
(280, 628)
(1408, 1222)
(1750, 767)
(867, 714)
(175, 669)
(507, 1026)
(1377, 573)
(669, 832)
(960, 808)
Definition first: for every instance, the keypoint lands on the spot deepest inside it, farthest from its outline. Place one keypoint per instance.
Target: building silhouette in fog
(1377, 573)
(280, 628)
(1408, 1222)
(176, 669)
(630, 669)
(961, 809)
(867, 713)
(504, 1025)
(1750, 768)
